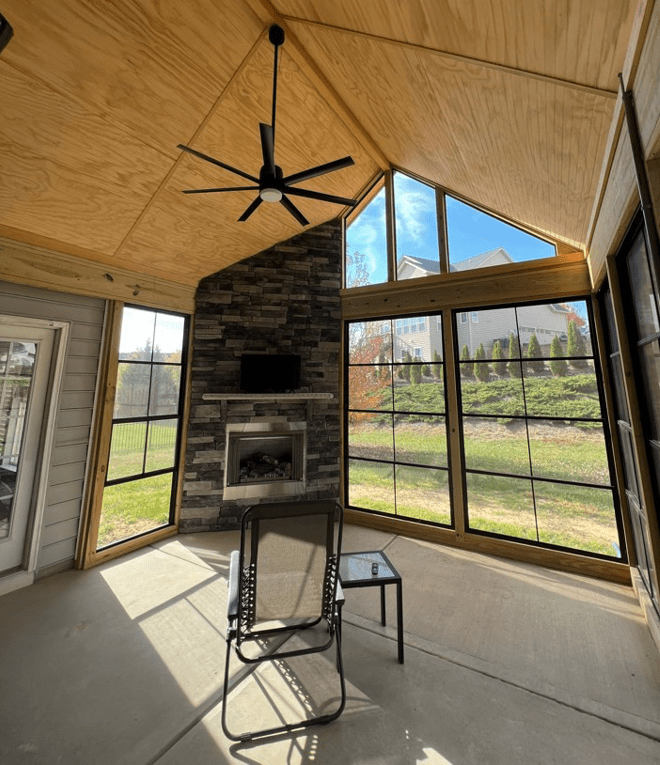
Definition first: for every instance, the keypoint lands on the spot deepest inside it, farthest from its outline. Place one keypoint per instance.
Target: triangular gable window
(479, 240)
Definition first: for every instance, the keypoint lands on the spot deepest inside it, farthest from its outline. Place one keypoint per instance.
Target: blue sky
(471, 232)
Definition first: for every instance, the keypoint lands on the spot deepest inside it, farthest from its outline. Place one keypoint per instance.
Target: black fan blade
(320, 196)
(294, 211)
(251, 209)
(268, 147)
(314, 172)
(212, 191)
(217, 162)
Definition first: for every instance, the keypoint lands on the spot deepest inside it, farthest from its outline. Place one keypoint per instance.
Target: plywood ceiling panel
(67, 172)
(155, 66)
(517, 145)
(199, 233)
(512, 113)
(582, 42)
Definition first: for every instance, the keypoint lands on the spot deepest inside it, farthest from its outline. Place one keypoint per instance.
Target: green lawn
(137, 506)
(570, 516)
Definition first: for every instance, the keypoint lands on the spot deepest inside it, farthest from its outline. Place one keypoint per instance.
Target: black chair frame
(243, 584)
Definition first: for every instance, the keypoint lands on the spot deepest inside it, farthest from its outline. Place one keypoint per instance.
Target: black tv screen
(270, 373)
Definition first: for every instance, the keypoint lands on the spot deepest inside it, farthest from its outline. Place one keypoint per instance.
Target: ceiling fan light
(270, 195)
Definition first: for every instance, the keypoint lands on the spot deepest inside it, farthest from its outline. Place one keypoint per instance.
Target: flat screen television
(270, 372)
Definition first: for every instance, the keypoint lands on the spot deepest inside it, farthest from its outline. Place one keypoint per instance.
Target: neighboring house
(420, 337)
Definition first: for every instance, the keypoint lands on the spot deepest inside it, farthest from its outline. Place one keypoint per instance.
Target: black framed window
(140, 486)
(397, 453)
(640, 330)
(535, 447)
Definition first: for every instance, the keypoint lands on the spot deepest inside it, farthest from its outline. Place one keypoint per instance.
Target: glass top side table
(374, 569)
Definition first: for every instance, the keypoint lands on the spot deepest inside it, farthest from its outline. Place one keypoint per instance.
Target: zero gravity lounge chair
(284, 598)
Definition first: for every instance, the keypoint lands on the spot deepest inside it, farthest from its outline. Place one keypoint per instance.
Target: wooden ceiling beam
(268, 13)
(582, 87)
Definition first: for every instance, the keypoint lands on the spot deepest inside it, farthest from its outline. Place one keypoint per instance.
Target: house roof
(498, 102)
(477, 261)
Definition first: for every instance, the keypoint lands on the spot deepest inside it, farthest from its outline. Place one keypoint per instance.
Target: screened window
(537, 465)
(432, 232)
(141, 477)
(479, 240)
(416, 220)
(397, 443)
(366, 244)
(639, 323)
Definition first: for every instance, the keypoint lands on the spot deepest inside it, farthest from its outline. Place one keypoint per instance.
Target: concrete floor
(505, 663)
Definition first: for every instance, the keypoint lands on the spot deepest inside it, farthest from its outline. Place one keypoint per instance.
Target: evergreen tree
(426, 370)
(416, 374)
(499, 366)
(466, 369)
(534, 352)
(558, 367)
(436, 366)
(481, 370)
(575, 346)
(407, 368)
(514, 355)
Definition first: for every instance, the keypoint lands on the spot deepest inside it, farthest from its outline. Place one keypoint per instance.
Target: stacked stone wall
(283, 300)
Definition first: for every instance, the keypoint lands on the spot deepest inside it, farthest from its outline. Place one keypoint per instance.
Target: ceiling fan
(273, 186)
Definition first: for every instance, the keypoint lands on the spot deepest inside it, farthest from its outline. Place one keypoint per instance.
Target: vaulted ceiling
(508, 103)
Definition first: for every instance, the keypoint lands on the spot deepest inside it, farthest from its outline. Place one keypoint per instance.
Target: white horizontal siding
(74, 416)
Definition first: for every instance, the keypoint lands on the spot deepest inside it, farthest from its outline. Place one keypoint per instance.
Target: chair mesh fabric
(291, 568)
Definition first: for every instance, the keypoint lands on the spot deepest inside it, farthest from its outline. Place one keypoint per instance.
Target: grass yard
(134, 507)
(575, 517)
(143, 504)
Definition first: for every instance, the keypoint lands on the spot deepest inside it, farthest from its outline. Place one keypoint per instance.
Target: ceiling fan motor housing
(271, 186)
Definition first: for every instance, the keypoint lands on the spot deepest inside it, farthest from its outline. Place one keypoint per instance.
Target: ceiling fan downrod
(272, 185)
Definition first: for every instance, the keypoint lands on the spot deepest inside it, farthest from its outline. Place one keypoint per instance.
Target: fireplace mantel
(268, 396)
(227, 398)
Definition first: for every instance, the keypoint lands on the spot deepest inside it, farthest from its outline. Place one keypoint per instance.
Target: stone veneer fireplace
(283, 300)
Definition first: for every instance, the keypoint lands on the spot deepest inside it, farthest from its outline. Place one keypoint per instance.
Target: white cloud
(414, 204)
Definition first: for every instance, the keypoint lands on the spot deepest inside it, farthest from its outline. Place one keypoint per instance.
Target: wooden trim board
(562, 561)
(47, 269)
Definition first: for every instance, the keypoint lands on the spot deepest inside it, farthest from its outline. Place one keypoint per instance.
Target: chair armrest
(233, 584)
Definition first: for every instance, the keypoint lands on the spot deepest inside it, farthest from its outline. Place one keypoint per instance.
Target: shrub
(514, 355)
(436, 366)
(466, 369)
(499, 366)
(534, 352)
(407, 370)
(481, 370)
(575, 346)
(558, 367)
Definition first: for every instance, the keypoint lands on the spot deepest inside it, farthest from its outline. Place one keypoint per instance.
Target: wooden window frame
(87, 554)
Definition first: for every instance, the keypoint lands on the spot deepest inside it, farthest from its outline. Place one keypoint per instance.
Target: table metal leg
(382, 605)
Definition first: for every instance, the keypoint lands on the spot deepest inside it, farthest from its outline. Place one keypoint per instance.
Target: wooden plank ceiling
(506, 103)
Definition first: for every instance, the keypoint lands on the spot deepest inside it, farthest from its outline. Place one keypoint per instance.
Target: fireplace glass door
(257, 458)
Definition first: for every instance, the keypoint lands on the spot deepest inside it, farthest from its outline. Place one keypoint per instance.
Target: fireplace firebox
(258, 458)
(264, 458)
